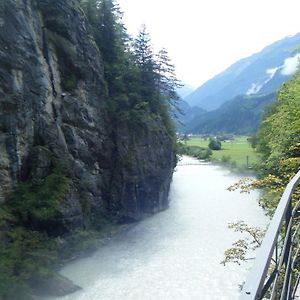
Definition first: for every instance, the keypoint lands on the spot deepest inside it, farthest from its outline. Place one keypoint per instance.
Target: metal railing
(272, 275)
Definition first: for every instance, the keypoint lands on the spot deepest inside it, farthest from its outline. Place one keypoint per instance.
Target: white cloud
(290, 65)
(272, 72)
(255, 88)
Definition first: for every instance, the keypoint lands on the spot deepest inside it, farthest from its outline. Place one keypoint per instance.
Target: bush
(215, 144)
(194, 151)
(40, 202)
(26, 253)
(226, 159)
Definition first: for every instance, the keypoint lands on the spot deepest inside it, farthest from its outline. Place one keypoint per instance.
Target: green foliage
(237, 149)
(139, 83)
(253, 140)
(279, 146)
(140, 94)
(111, 38)
(225, 158)
(194, 151)
(280, 131)
(240, 116)
(39, 201)
(24, 254)
(241, 248)
(278, 143)
(214, 144)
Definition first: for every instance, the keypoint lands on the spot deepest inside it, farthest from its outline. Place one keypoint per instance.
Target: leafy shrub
(24, 254)
(226, 159)
(215, 144)
(40, 201)
(194, 151)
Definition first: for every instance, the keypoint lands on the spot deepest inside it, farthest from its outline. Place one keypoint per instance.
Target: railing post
(257, 283)
(287, 255)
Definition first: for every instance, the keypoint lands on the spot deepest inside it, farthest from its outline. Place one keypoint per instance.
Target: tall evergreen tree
(144, 59)
(167, 82)
(137, 80)
(110, 36)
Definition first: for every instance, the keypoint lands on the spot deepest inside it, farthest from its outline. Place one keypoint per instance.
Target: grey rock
(56, 286)
(48, 117)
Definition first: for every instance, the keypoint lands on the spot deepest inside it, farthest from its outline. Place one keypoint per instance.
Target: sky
(204, 37)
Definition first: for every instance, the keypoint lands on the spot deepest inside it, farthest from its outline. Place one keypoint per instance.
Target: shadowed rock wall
(54, 114)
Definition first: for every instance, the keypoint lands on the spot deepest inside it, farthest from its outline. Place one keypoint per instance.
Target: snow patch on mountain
(256, 87)
(288, 68)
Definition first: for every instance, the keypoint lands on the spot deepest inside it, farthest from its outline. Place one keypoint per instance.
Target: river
(176, 254)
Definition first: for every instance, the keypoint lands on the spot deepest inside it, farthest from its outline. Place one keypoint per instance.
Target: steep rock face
(53, 114)
(144, 171)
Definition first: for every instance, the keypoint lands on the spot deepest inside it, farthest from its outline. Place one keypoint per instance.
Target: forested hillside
(235, 100)
(241, 115)
(278, 142)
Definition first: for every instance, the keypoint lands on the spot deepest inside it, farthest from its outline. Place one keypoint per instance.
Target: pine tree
(111, 38)
(167, 82)
(144, 59)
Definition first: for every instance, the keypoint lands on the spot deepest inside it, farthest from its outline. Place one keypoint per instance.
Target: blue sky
(203, 37)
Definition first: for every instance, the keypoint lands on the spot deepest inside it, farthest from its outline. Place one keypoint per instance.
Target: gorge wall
(54, 119)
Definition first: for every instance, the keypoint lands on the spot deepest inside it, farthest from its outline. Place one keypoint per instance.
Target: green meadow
(237, 152)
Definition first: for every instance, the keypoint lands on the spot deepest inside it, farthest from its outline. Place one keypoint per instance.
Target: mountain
(242, 115)
(263, 72)
(185, 90)
(184, 114)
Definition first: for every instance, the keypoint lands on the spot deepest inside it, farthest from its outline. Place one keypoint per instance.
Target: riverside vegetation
(236, 153)
(278, 143)
(87, 141)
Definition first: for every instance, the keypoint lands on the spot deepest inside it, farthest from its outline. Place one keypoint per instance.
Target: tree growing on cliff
(138, 81)
(111, 38)
(157, 77)
(144, 59)
(167, 82)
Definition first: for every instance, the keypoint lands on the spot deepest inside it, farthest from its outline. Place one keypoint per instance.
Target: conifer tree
(110, 36)
(144, 58)
(167, 82)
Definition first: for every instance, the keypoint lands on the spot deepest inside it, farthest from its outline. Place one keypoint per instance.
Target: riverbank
(236, 154)
(77, 246)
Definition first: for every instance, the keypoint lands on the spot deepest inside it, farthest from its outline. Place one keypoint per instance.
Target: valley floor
(237, 152)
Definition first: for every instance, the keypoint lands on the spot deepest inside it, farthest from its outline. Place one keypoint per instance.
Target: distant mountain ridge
(185, 90)
(263, 72)
(241, 115)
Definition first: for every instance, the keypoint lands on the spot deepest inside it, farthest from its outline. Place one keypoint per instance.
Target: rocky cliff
(54, 119)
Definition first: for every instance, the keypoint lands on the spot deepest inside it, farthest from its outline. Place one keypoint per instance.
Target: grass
(233, 152)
